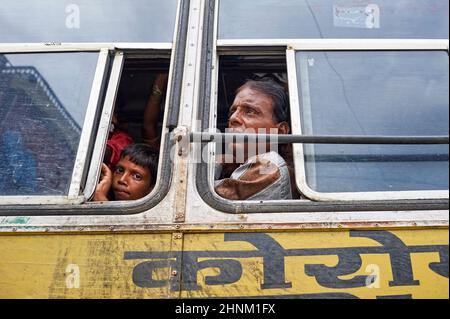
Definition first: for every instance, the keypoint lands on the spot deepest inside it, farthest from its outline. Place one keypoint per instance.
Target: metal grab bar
(196, 137)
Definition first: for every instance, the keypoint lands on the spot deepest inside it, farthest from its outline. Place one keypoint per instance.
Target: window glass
(87, 21)
(43, 101)
(287, 19)
(374, 93)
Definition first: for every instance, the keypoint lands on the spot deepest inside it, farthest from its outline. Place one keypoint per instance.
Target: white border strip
(341, 44)
(94, 100)
(69, 47)
(305, 105)
(212, 147)
(103, 130)
(299, 159)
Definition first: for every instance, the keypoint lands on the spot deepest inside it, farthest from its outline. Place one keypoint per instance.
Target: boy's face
(130, 181)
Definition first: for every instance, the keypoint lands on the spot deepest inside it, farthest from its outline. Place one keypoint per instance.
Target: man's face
(251, 112)
(130, 181)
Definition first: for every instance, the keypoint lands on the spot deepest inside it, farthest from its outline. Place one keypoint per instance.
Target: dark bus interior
(235, 70)
(134, 91)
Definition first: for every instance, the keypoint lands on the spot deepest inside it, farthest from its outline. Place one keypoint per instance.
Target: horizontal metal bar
(341, 44)
(74, 47)
(196, 137)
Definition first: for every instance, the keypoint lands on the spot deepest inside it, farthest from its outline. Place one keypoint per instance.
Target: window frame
(296, 115)
(45, 206)
(206, 114)
(95, 99)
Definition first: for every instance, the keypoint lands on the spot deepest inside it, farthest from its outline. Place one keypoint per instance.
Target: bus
(368, 85)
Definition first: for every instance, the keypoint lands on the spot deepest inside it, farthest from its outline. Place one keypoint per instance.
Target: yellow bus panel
(301, 264)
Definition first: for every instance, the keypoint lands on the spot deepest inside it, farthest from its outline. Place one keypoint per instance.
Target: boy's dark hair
(277, 94)
(143, 155)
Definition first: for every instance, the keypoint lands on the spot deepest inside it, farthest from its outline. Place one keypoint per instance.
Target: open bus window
(234, 72)
(384, 93)
(136, 125)
(44, 98)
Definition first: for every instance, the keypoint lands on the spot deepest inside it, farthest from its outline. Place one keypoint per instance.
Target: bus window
(234, 71)
(137, 118)
(44, 98)
(130, 44)
(383, 93)
(307, 19)
(407, 158)
(87, 21)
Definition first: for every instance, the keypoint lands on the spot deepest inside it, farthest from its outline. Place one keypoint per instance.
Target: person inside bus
(133, 177)
(119, 138)
(260, 106)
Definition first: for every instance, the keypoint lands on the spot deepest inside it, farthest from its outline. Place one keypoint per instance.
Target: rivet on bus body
(177, 226)
(111, 228)
(14, 229)
(241, 226)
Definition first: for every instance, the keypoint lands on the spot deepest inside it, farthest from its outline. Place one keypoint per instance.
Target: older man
(259, 107)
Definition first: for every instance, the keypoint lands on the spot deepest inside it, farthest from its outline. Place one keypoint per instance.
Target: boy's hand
(103, 187)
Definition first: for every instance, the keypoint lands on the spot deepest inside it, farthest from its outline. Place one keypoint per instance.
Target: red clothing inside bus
(118, 141)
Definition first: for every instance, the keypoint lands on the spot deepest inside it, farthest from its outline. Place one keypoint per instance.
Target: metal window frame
(103, 127)
(79, 167)
(46, 206)
(296, 120)
(207, 112)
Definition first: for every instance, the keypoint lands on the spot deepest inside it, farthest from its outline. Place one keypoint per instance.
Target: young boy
(133, 176)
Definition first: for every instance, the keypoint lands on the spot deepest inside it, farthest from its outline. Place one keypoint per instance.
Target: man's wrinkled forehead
(247, 95)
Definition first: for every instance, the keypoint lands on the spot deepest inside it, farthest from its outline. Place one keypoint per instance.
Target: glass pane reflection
(87, 21)
(296, 19)
(375, 93)
(43, 101)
